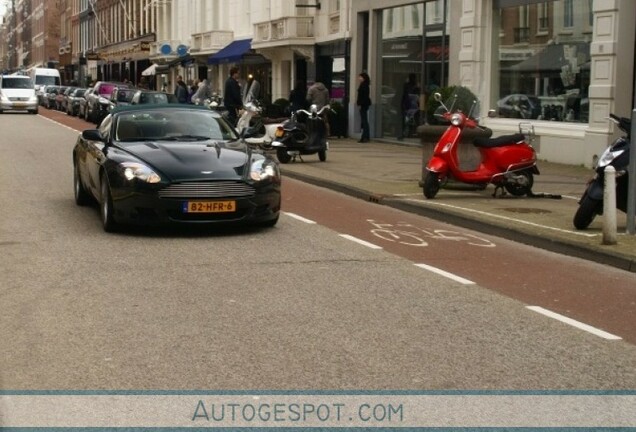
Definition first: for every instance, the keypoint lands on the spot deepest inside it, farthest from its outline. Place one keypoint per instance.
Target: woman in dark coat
(298, 96)
(364, 102)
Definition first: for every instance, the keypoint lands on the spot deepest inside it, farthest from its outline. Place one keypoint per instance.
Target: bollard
(609, 206)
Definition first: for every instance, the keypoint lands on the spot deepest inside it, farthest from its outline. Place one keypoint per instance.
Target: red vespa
(508, 161)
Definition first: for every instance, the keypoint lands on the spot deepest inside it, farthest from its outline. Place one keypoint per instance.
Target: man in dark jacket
(232, 95)
(181, 91)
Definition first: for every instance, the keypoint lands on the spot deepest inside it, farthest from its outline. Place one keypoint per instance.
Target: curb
(552, 245)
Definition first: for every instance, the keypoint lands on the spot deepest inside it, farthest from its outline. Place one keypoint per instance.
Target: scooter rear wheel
(431, 185)
(518, 189)
(587, 211)
(322, 155)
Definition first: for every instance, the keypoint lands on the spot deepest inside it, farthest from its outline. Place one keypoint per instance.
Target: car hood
(193, 160)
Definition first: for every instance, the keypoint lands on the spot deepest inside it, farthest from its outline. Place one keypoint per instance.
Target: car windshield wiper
(184, 137)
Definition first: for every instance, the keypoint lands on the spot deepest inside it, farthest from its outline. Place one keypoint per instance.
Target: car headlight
(457, 119)
(264, 170)
(134, 170)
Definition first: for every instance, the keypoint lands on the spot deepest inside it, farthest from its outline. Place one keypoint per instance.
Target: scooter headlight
(608, 156)
(457, 119)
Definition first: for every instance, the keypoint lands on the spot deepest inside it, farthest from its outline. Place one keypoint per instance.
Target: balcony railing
(284, 29)
(211, 41)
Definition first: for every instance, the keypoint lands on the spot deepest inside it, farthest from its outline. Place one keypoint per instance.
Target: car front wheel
(106, 206)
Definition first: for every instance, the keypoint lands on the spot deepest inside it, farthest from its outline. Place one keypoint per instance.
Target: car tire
(82, 197)
(106, 205)
(269, 223)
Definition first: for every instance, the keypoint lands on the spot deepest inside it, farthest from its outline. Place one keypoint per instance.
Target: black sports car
(153, 164)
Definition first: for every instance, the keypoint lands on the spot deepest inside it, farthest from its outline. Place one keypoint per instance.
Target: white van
(45, 76)
(17, 92)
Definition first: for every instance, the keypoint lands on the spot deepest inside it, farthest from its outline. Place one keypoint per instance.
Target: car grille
(18, 99)
(217, 189)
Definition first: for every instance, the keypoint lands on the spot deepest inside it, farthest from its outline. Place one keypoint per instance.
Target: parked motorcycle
(261, 130)
(305, 133)
(508, 161)
(616, 155)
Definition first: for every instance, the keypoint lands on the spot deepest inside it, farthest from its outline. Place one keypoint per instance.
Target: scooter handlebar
(309, 113)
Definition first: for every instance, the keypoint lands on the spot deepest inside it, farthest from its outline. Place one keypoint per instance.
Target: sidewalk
(389, 174)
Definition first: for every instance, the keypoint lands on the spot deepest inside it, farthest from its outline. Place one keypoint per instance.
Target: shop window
(547, 77)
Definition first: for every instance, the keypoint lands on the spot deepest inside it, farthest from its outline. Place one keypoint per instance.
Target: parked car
(65, 96)
(519, 106)
(51, 94)
(120, 97)
(73, 101)
(17, 93)
(98, 102)
(142, 97)
(192, 169)
(81, 110)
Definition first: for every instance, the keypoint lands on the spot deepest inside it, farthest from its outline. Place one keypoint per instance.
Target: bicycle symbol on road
(409, 234)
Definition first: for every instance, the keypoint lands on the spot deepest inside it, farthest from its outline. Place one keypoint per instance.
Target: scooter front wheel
(587, 211)
(431, 185)
(322, 155)
(282, 155)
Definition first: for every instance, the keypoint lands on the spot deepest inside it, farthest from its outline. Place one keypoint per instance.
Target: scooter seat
(500, 141)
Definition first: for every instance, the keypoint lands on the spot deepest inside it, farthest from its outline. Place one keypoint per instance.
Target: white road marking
(504, 217)
(444, 273)
(574, 323)
(300, 218)
(359, 241)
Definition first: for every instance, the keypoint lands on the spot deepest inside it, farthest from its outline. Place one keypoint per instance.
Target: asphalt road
(298, 306)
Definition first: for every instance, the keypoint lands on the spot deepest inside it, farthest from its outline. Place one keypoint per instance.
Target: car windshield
(17, 83)
(172, 125)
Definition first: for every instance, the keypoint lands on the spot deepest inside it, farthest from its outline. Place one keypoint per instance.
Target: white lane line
(359, 241)
(300, 218)
(441, 272)
(574, 323)
(503, 217)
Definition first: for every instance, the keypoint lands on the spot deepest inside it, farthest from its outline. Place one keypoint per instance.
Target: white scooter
(262, 131)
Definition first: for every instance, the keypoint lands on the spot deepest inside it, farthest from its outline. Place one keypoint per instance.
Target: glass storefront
(414, 61)
(543, 59)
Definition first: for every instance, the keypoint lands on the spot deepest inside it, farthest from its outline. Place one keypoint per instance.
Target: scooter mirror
(438, 97)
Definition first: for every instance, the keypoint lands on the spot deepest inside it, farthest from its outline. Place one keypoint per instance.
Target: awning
(155, 69)
(150, 70)
(231, 53)
(554, 57)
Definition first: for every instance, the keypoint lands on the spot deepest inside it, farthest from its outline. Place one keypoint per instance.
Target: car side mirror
(92, 135)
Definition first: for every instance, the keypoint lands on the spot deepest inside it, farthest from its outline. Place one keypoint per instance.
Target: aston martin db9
(156, 164)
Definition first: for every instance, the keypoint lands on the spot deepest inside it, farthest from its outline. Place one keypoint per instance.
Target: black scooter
(305, 133)
(616, 155)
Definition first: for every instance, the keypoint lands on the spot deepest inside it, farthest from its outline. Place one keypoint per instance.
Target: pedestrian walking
(181, 90)
(363, 101)
(232, 95)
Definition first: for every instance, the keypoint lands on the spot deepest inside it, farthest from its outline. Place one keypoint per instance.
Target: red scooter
(508, 162)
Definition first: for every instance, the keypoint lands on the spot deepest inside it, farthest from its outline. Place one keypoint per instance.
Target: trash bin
(468, 155)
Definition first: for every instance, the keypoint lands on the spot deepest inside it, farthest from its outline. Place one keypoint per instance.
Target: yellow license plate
(19, 105)
(209, 206)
